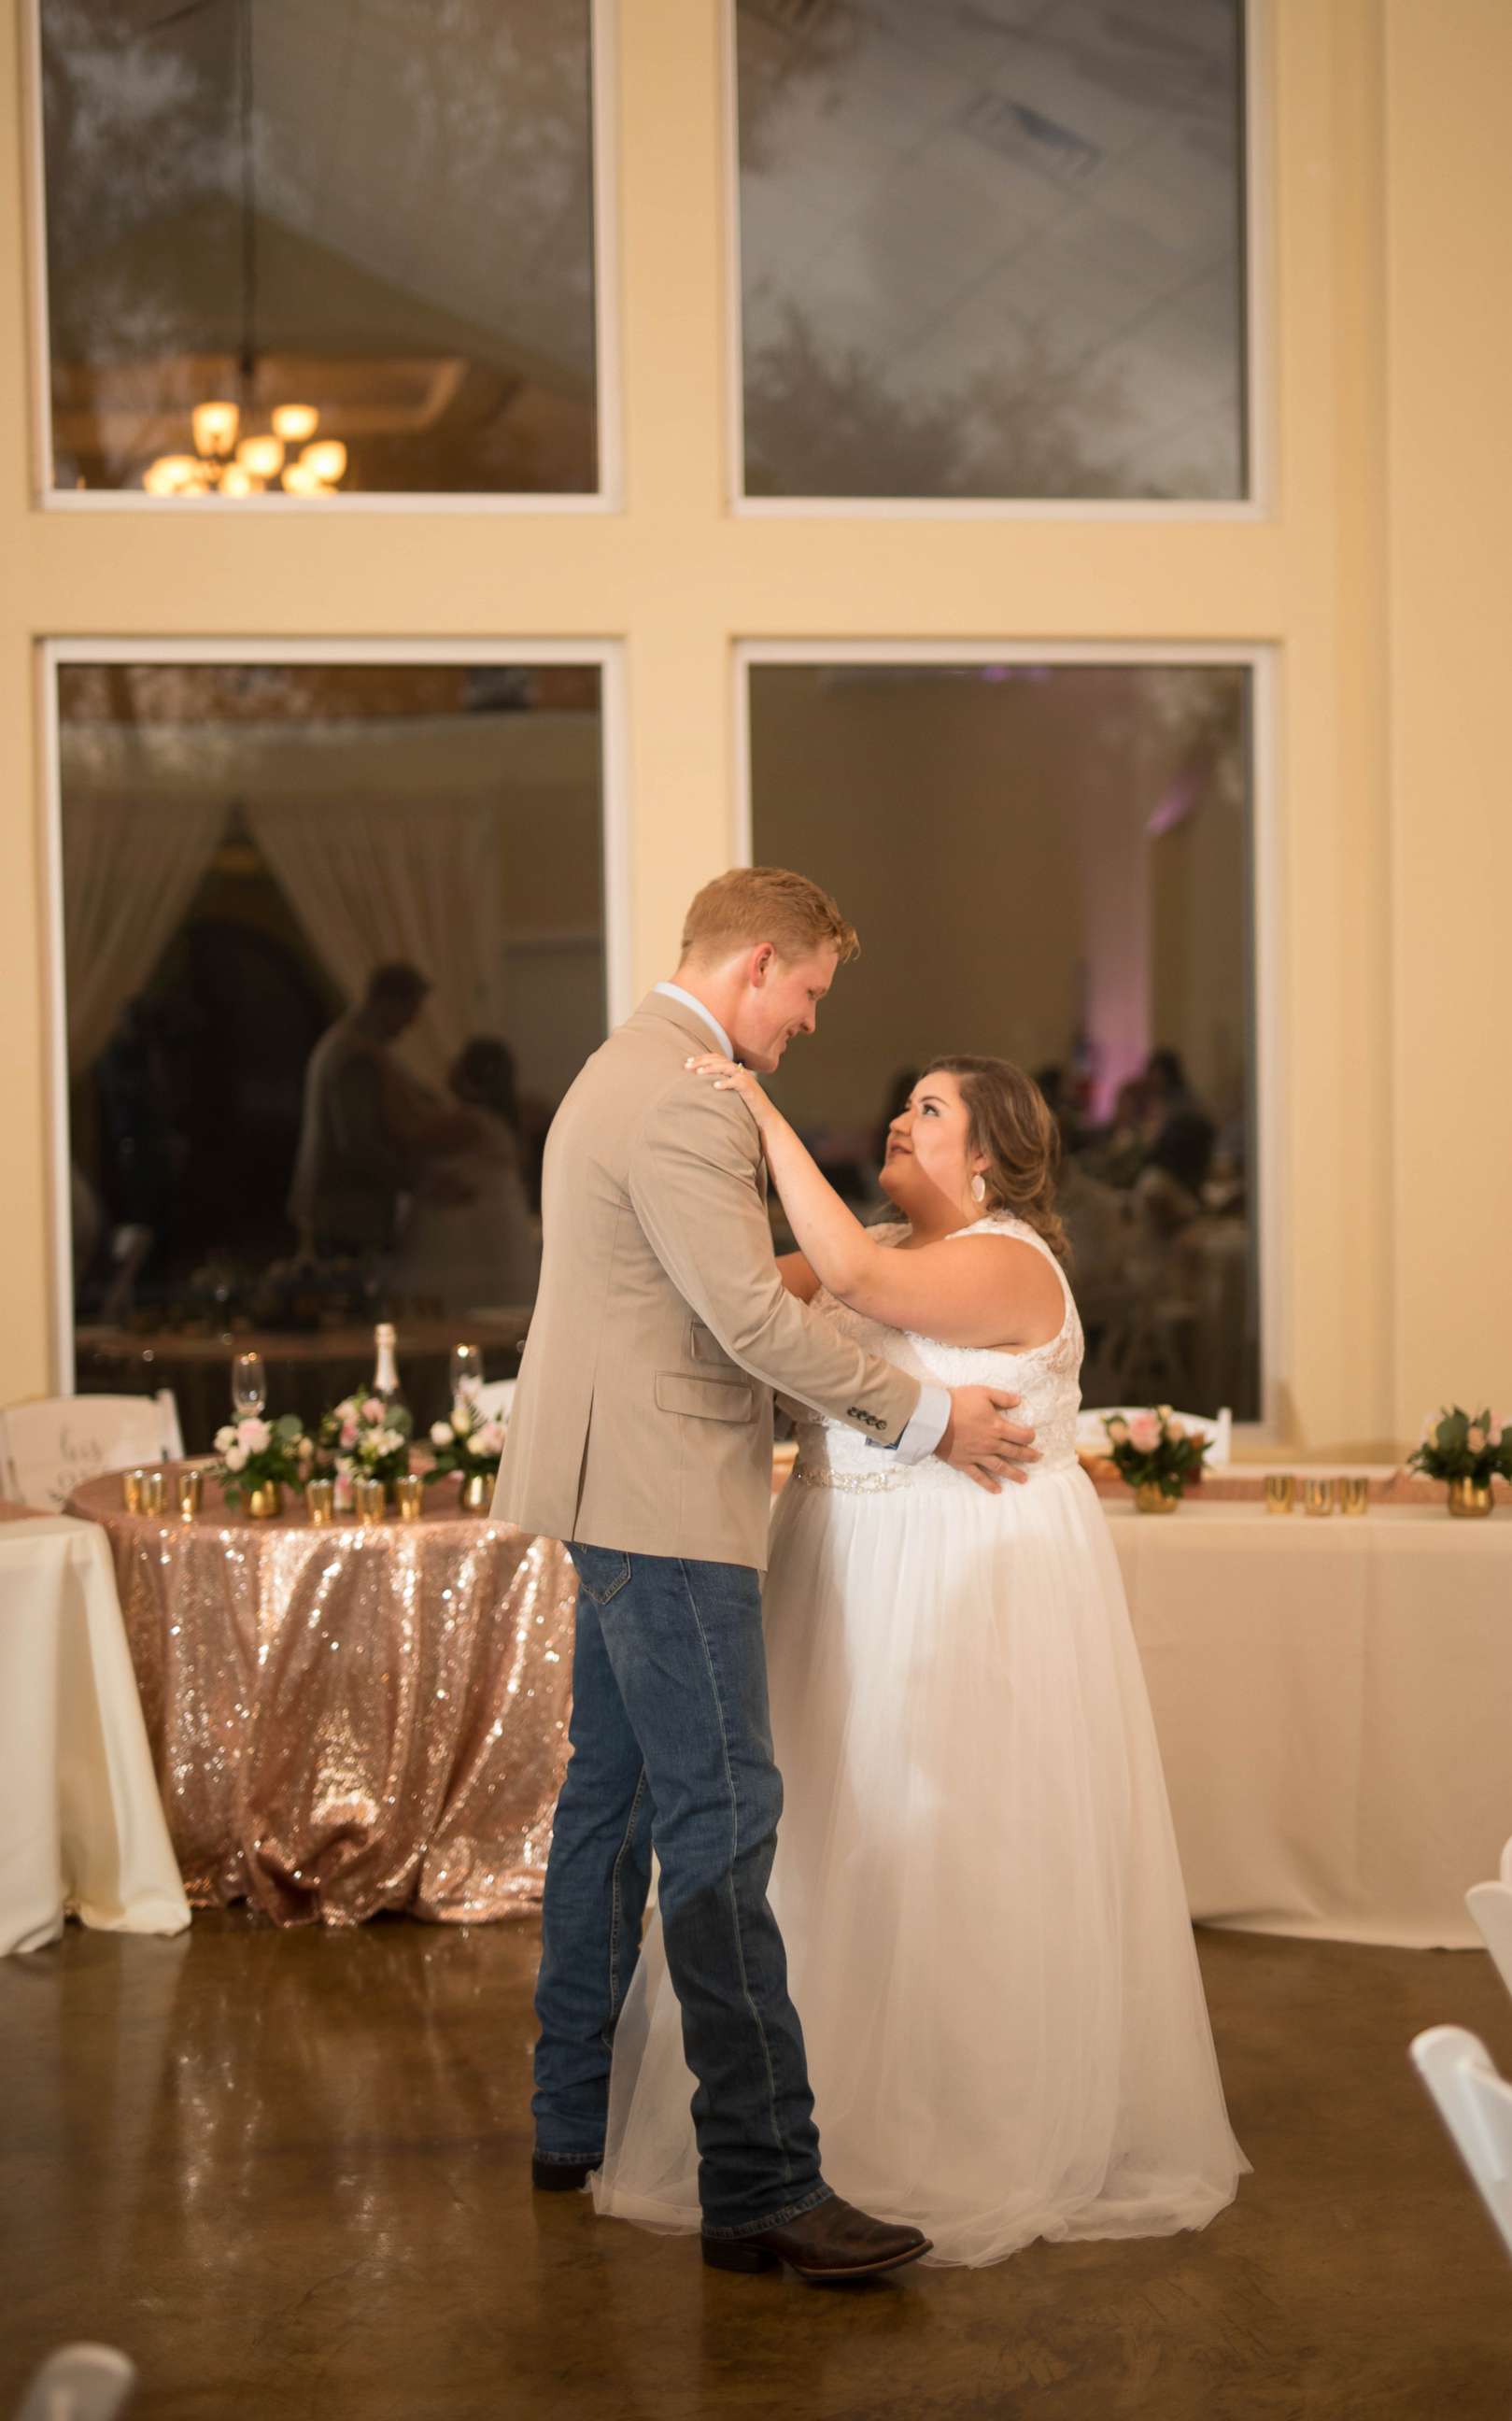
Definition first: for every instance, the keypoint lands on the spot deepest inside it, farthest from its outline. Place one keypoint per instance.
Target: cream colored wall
(1379, 576)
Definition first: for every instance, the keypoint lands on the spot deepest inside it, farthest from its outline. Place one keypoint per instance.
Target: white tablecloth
(1334, 1700)
(81, 1822)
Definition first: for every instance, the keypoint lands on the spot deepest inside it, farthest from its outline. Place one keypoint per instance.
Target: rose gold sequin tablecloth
(347, 1720)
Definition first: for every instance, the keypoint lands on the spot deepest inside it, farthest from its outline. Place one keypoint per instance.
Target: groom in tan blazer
(642, 1435)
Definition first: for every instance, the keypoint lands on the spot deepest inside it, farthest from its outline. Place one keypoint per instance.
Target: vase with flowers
(259, 1459)
(1466, 1451)
(468, 1442)
(364, 1438)
(1156, 1455)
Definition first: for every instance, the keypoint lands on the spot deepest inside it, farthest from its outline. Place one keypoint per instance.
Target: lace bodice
(1047, 1377)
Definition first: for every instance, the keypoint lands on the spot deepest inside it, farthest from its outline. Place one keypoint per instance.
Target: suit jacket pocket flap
(707, 1399)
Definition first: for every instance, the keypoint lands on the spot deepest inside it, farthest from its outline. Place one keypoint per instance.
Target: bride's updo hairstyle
(1009, 1123)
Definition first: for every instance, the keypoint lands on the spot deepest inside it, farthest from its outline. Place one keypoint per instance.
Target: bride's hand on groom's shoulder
(729, 1076)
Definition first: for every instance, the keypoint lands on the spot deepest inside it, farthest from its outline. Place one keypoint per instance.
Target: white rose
(236, 1456)
(1475, 1438)
(440, 1433)
(1174, 1431)
(490, 1438)
(224, 1438)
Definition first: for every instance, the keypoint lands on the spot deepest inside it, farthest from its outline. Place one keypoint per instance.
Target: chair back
(48, 1448)
(1476, 2104)
(495, 1399)
(1490, 1905)
(79, 2382)
(1092, 1438)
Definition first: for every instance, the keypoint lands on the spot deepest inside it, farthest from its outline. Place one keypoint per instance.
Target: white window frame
(608, 497)
(1262, 662)
(606, 655)
(1260, 503)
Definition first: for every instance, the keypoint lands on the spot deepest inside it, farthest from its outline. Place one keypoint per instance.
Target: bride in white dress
(976, 1877)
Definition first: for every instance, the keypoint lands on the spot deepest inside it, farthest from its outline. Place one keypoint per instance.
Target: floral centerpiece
(468, 1442)
(1157, 1455)
(364, 1438)
(259, 1459)
(1466, 1451)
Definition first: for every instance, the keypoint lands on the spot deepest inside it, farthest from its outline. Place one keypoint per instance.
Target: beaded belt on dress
(809, 1474)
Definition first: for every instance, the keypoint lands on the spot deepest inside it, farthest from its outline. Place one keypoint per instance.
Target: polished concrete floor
(288, 2174)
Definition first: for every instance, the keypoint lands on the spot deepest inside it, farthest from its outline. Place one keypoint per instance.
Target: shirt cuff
(925, 1425)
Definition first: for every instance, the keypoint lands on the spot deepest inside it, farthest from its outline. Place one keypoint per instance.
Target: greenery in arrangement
(255, 1453)
(1153, 1449)
(1457, 1445)
(469, 1440)
(364, 1438)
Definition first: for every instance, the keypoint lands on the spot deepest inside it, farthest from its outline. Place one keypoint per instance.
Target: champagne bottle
(386, 1369)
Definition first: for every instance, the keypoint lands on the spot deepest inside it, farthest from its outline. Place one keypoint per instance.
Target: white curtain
(417, 879)
(130, 866)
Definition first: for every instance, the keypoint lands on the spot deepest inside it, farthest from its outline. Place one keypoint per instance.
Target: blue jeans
(672, 1742)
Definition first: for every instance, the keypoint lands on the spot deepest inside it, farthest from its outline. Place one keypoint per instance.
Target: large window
(311, 246)
(333, 947)
(1051, 863)
(993, 251)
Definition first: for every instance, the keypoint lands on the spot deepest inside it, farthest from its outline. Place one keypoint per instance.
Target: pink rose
(349, 1434)
(490, 1438)
(374, 1409)
(1498, 1429)
(1144, 1432)
(1475, 1438)
(254, 1435)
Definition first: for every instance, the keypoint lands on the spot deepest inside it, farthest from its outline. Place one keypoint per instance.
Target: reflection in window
(1050, 864)
(307, 248)
(993, 250)
(334, 945)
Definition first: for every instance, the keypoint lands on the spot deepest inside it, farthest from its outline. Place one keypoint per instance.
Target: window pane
(271, 204)
(266, 1143)
(994, 251)
(1050, 864)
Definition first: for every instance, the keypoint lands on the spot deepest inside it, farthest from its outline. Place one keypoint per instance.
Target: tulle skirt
(977, 1882)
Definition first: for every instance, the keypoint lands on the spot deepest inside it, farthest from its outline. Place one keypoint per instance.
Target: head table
(347, 1720)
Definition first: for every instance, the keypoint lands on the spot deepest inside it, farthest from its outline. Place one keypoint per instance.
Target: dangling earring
(978, 1187)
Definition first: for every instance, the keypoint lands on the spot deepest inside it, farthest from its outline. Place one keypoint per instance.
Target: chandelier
(229, 459)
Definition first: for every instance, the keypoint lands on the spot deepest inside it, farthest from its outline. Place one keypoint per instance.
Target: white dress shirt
(928, 1421)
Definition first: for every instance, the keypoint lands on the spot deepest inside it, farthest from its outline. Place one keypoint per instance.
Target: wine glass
(249, 1386)
(466, 1370)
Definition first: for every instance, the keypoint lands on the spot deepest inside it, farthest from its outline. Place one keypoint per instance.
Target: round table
(345, 1720)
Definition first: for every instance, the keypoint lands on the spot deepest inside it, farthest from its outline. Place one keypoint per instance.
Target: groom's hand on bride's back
(983, 1441)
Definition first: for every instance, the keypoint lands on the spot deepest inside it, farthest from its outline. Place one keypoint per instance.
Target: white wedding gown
(976, 1877)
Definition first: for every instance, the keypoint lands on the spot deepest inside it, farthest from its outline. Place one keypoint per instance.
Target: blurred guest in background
(368, 1128)
(470, 1240)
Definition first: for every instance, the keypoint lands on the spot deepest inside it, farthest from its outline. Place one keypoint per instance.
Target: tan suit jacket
(642, 1417)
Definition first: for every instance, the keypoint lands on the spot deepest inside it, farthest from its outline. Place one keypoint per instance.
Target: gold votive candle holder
(1280, 1492)
(133, 1490)
(1351, 1493)
(1317, 1497)
(368, 1497)
(320, 1502)
(154, 1491)
(408, 1495)
(189, 1492)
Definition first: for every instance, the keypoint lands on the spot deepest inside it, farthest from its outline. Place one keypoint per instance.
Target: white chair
(496, 1398)
(1092, 1438)
(1476, 2104)
(79, 2382)
(1490, 1905)
(48, 1448)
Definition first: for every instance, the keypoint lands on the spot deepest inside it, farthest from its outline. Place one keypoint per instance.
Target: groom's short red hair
(765, 903)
